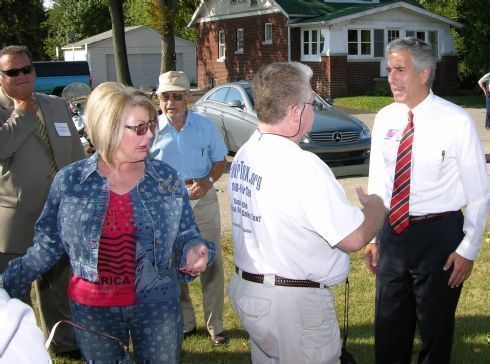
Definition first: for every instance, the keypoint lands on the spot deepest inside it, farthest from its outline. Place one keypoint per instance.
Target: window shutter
(379, 42)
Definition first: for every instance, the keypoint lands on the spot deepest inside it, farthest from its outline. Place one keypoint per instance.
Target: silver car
(336, 137)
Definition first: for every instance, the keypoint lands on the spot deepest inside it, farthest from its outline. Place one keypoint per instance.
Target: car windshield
(318, 103)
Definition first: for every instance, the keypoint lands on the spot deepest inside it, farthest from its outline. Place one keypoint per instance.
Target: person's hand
(199, 189)
(196, 260)
(371, 255)
(462, 268)
(29, 104)
(370, 200)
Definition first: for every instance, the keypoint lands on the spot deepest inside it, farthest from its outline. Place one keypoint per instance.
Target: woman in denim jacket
(126, 223)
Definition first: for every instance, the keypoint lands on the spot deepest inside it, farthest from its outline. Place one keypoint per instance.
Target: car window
(61, 68)
(250, 97)
(319, 103)
(219, 95)
(234, 95)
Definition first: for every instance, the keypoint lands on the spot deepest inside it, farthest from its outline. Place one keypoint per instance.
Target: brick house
(342, 41)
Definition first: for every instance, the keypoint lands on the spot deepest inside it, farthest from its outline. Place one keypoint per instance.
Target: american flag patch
(391, 133)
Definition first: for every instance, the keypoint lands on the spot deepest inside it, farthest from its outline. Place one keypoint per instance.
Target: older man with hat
(191, 144)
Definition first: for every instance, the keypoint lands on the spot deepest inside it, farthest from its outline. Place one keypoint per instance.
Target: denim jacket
(74, 214)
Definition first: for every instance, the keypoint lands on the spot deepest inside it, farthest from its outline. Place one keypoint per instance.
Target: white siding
(188, 52)
(75, 55)
(401, 19)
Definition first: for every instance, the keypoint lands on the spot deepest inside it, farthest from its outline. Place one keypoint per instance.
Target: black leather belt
(279, 281)
(423, 219)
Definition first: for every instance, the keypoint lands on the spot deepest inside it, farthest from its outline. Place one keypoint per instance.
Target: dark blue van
(53, 76)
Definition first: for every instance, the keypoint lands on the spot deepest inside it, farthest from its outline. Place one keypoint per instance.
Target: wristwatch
(211, 179)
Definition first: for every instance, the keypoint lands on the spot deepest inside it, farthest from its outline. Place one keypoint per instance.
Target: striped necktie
(399, 217)
(43, 133)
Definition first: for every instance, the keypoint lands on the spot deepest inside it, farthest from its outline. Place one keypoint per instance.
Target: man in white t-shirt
(292, 227)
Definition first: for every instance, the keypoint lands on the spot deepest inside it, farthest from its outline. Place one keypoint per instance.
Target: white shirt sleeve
(325, 207)
(474, 179)
(378, 176)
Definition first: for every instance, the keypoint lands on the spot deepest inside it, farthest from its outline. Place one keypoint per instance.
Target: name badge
(62, 129)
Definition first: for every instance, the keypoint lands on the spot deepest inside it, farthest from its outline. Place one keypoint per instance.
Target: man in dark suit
(37, 137)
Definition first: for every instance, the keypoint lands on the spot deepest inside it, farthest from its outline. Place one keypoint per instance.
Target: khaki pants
(206, 213)
(287, 325)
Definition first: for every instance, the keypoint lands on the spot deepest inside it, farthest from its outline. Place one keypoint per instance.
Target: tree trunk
(169, 12)
(119, 42)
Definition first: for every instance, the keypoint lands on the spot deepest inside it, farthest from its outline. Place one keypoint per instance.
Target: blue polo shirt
(192, 150)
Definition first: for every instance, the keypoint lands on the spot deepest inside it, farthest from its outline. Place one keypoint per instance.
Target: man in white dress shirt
(293, 228)
(420, 269)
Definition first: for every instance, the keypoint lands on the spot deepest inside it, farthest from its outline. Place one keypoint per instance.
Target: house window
(417, 34)
(393, 34)
(239, 40)
(313, 42)
(359, 42)
(221, 44)
(268, 33)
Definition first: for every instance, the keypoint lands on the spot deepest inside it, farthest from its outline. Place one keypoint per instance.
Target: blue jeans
(487, 120)
(156, 330)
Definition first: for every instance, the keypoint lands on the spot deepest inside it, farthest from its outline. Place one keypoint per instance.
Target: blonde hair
(106, 113)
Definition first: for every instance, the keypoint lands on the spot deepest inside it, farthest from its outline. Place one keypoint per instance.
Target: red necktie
(398, 216)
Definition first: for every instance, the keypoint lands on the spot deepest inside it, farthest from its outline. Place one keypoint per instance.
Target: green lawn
(374, 103)
(471, 337)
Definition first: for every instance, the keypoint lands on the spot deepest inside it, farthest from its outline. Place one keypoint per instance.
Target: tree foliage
(69, 21)
(472, 40)
(147, 12)
(445, 8)
(20, 24)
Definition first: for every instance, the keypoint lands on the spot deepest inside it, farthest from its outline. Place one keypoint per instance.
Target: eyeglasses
(14, 72)
(142, 129)
(310, 103)
(175, 96)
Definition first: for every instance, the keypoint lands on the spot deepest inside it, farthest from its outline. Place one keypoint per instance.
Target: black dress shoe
(190, 333)
(218, 339)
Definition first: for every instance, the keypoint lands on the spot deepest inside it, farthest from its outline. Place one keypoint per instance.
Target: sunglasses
(175, 96)
(14, 72)
(142, 129)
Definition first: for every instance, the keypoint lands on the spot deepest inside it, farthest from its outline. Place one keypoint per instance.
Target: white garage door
(143, 68)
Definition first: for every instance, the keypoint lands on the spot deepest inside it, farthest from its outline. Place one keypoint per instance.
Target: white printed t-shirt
(288, 212)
